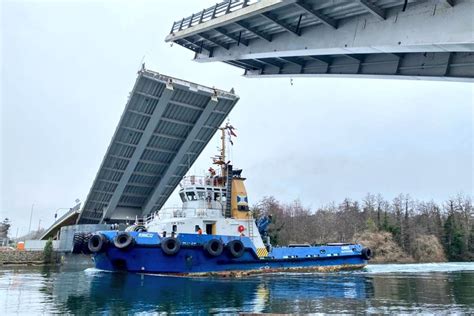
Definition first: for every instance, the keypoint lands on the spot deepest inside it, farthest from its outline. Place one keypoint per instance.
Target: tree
(370, 225)
(4, 228)
(407, 232)
(417, 227)
(454, 239)
(48, 251)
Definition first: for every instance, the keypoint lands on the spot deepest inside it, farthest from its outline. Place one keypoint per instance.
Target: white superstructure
(208, 208)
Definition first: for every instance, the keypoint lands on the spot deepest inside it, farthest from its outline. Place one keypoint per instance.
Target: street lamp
(61, 208)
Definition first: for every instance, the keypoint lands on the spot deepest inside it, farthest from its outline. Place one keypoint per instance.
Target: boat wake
(418, 267)
(93, 271)
(378, 269)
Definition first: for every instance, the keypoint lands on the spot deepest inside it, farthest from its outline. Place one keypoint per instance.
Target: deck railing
(173, 212)
(210, 13)
(199, 180)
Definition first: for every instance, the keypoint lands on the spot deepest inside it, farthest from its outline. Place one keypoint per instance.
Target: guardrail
(210, 13)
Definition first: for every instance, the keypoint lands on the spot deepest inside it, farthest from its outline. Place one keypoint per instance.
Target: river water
(389, 288)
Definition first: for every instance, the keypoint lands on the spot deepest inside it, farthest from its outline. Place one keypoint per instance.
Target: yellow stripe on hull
(262, 252)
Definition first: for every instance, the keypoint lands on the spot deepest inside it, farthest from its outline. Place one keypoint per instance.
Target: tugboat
(214, 233)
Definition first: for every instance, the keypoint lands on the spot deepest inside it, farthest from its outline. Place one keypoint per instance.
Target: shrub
(48, 251)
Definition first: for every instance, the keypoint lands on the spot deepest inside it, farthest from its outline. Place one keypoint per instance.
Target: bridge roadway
(413, 39)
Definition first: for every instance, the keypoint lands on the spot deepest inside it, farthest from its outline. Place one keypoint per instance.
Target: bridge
(413, 39)
(166, 124)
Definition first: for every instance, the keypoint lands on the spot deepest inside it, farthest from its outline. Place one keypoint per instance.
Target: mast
(226, 169)
(221, 158)
(223, 164)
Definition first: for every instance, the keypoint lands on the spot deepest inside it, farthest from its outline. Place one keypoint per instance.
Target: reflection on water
(381, 288)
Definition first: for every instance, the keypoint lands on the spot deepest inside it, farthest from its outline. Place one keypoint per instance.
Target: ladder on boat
(228, 204)
(250, 224)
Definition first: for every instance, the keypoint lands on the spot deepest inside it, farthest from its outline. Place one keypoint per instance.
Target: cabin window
(201, 195)
(175, 228)
(183, 197)
(217, 196)
(191, 196)
(224, 197)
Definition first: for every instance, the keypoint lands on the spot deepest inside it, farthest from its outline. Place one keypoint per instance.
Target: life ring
(123, 240)
(236, 248)
(136, 228)
(97, 243)
(77, 243)
(241, 228)
(139, 228)
(366, 253)
(214, 247)
(170, 246)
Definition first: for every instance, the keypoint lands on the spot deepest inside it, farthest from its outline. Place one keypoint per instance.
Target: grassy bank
(386, 250)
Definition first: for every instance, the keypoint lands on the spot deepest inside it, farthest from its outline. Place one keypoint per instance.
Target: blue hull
(146, 256)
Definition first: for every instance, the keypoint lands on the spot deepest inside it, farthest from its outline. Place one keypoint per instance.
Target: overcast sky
(68, 66)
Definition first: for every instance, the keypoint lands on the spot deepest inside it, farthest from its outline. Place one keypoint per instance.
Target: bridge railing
(210, 13)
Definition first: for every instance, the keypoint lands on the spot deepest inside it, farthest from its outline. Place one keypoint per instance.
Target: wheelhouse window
(191, 196)
(201, 195)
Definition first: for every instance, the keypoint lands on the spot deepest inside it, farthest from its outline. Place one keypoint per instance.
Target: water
(413, 288)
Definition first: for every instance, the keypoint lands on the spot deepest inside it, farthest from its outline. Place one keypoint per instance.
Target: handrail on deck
(176, 213)
(200, 180)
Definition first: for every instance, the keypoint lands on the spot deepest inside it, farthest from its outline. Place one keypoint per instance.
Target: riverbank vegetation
(400, 230)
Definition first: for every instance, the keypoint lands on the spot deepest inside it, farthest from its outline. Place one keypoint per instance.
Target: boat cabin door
(210, 228)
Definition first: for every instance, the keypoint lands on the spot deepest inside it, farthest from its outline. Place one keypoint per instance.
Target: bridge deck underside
(166, 124)
(383, 38)
(413, 65)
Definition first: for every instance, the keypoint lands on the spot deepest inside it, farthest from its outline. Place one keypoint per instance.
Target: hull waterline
(146, 256)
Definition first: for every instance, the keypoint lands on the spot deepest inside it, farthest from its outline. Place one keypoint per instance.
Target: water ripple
(392, 288)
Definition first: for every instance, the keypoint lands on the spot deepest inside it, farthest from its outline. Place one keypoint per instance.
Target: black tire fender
(214, 247)
(366, 253)
(85, 244)
(236, 248)
(123, 240)
(170, 246)
(97, 243)
(77, 243)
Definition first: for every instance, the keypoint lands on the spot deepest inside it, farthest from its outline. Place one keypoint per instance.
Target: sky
(67, 68)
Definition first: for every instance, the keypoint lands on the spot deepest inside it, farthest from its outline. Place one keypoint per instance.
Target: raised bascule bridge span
(166, 124)
(413, 39)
